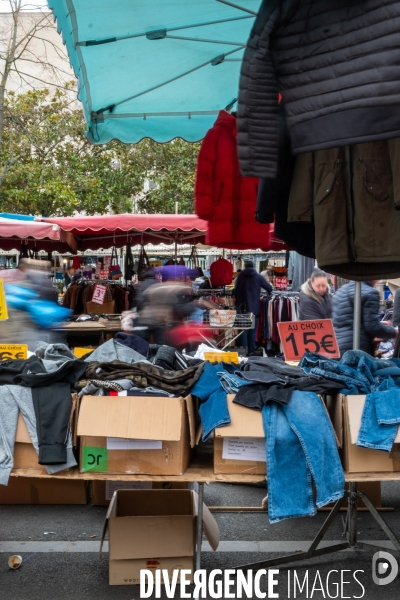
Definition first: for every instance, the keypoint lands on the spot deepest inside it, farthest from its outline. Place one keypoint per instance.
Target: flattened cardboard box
(153, 529)
(137, 435)
(32, 490)
(243, 437)
(347, 423)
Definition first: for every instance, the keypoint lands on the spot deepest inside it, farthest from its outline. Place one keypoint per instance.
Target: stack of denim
(300, 443)
(379, 379)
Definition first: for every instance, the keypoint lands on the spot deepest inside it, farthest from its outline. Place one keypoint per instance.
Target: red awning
(104, 231)
(36, 234)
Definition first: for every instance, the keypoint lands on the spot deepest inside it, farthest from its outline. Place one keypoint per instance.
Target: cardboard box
(25, 455)
(103, 491)
(137, 435)
(153, 529)
(346, 413)
(239, 448)
(31, 490)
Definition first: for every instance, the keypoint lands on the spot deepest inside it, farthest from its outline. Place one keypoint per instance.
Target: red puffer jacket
(223, 197)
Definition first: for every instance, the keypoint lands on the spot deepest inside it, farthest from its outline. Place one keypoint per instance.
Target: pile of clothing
(359, 373)
(300, 442)
(41, 389)
(128, 363)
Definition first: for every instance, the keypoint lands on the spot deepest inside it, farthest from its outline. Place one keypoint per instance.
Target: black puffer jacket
(336, 65)
(343, 318)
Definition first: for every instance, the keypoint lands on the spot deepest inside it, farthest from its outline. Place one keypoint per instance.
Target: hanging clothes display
(336, 65)
(274, 309)
(117, 299)
(223, 197)
(221, 272)
(352, 195)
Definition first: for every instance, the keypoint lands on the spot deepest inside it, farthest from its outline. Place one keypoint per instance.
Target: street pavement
(65, 565)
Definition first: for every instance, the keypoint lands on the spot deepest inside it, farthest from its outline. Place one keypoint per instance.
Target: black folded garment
(275, 381)
(31, 375)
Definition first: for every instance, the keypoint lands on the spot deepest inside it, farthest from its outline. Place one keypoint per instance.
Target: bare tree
(31, 56)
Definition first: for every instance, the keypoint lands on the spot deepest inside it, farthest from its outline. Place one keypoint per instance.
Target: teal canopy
(154, 68)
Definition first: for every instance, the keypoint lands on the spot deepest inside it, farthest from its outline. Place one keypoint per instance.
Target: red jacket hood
(225, 119)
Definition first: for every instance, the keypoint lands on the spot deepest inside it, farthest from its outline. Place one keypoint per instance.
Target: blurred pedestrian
(248, 285)
(315, 298)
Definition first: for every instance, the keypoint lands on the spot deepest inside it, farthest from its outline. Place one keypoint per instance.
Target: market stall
(319, 117)
(106, 231)
(34, 236)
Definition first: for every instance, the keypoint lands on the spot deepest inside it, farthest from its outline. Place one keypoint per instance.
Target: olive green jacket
(353, 196)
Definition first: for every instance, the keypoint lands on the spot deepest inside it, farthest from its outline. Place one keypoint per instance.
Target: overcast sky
(28, 5)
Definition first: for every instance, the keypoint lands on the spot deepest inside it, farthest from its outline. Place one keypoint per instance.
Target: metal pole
(352, 514)
(199, 529)
(357, 315)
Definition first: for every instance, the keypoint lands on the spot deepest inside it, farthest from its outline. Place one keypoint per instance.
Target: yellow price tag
(3, 303)
(14, 351)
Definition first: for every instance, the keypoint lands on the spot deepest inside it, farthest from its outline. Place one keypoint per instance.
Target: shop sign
(300, 337)
(281, 283)
(13, 351)
(99, 293)
(3, 303)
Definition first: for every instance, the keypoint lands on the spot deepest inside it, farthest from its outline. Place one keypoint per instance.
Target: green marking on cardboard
(95, 459)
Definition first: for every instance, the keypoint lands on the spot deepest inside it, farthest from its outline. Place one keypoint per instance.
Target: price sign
(104, 273)
(99, 293)
(3, 303)
(300, 337)
(281, 283)
(13, 351)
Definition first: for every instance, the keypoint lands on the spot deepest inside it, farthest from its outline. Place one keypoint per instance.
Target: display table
(201, 472)
(90, 327)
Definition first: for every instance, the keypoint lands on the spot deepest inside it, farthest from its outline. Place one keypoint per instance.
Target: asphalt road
(72, 575)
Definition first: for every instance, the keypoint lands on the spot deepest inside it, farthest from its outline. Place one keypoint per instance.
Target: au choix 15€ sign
(300, 337)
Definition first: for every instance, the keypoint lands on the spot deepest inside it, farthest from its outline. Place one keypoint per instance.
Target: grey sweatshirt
(15, 398)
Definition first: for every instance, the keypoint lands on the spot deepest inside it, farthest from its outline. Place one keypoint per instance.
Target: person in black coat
(315, 299)
(371, 326)
(247, 290)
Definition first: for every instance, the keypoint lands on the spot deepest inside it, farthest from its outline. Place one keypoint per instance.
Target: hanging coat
(336, 64)
(223, 197)
(352, 195)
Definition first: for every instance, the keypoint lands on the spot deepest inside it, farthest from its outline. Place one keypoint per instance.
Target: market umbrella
(154, 68)
(36, 235)
(92, 233)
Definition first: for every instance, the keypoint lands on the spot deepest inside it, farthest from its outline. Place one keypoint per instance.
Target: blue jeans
(380, 419)
(301, 448)
(354, 382)
(214, 406)
(248, 337)
(231, 383)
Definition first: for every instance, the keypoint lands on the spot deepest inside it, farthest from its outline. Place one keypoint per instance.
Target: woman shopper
(315, 299)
